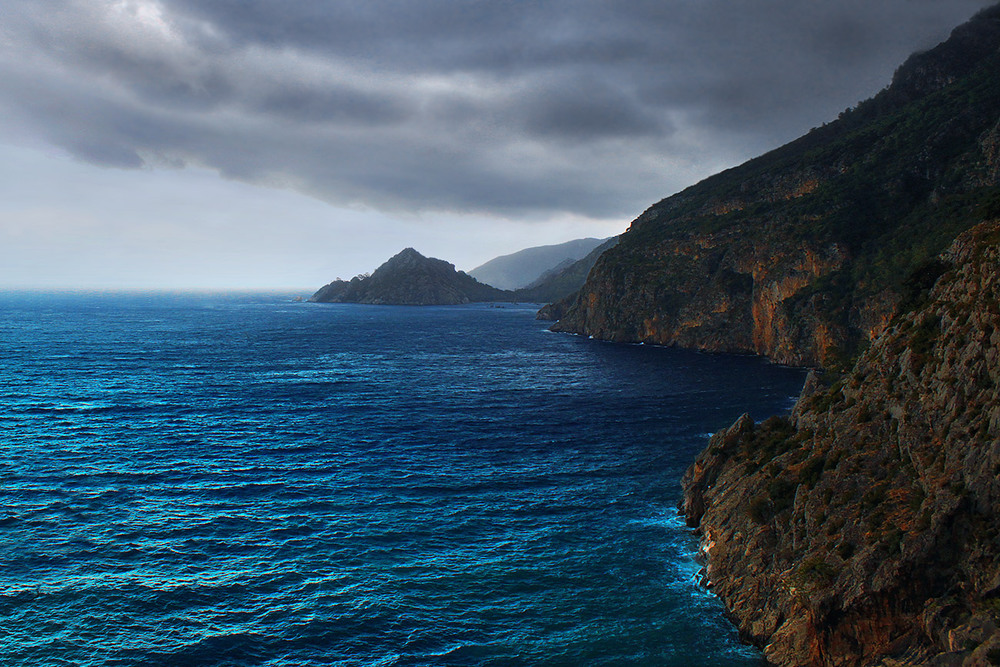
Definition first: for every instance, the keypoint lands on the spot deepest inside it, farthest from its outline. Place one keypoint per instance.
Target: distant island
(411, 279)
(863, 528)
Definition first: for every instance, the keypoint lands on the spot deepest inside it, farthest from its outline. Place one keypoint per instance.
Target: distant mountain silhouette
(526, 267)
(410, 279)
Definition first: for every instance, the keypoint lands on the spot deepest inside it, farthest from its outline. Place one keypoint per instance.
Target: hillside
(563, 281)
(807, 253)
(527, 267)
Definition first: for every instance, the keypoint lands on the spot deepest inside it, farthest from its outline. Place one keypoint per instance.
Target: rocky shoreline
(862, 529)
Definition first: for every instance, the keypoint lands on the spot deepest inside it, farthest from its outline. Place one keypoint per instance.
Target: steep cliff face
(863, 529)
(802, 254)
(721, 292)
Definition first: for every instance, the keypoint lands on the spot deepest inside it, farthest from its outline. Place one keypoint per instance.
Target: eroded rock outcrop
(864, 528)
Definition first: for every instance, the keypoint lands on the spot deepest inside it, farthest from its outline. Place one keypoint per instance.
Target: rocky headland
(410, 279)
(864, 528)
(803, 254)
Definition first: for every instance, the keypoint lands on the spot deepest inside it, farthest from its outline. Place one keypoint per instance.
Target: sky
(252, 144)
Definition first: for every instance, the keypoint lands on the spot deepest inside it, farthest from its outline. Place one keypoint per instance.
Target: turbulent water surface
(243, 480)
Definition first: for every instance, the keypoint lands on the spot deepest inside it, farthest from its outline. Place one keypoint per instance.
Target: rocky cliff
(863, 529)
(410, 279)
(804, 254)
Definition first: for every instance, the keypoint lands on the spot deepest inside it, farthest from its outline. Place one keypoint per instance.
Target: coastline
(861, 529)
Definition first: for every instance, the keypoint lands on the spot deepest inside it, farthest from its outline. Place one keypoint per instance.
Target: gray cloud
(533, 108)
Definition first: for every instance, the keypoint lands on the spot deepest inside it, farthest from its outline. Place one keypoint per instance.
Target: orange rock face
(863, 530)
(805, 254)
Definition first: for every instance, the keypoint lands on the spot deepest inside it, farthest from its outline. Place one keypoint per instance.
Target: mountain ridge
(526, 268)
(801, 254)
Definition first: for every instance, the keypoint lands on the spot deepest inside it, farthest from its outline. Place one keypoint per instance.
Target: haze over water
(243, 480)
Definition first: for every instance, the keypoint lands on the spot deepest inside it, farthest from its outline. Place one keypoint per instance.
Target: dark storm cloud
(593, 108)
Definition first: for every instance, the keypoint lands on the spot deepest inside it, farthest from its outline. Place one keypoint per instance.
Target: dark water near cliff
(241, 480)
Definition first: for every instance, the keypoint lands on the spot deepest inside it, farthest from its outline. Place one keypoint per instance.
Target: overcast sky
(267, 143)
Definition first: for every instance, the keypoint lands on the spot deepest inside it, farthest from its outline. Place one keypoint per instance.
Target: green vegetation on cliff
(863, 529)
(804, 254)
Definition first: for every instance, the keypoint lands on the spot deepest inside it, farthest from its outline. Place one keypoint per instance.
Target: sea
(242, 479)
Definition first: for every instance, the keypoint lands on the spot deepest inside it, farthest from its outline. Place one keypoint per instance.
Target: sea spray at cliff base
(243, 480)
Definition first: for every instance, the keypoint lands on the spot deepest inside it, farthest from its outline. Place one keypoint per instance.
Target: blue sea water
(204, 479)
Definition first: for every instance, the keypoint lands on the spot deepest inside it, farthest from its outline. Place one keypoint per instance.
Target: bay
(239, 479)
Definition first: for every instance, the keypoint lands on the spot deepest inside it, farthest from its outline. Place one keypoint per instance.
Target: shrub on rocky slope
(863, 529)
